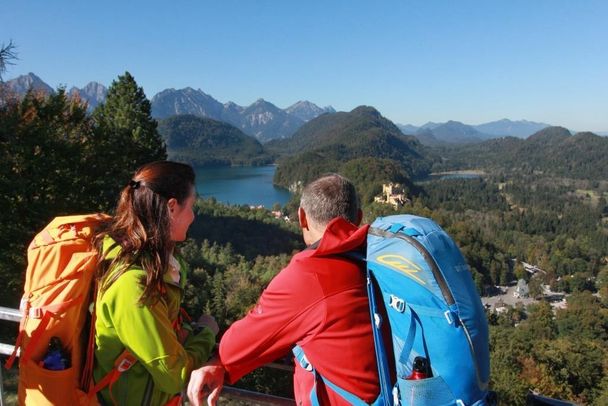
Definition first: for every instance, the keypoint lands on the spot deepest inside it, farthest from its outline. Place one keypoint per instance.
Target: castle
(392, 194)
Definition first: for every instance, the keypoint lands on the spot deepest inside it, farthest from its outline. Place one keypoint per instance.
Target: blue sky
(415, 61)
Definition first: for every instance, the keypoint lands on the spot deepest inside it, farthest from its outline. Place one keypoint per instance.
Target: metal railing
(228, 392)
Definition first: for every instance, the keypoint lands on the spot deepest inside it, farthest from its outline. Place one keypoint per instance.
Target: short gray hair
(328, 197)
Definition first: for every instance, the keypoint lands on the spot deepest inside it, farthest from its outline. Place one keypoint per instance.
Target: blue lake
(250, 185)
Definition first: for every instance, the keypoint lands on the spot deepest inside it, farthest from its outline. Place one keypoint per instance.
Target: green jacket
(164, 365)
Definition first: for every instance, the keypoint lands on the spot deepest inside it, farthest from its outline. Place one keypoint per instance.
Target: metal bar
(7, 349)
(258, 398)
(9, 314)
(228, 391)
(1, 387)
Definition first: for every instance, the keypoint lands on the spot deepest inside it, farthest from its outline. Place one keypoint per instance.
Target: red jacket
(319, 302)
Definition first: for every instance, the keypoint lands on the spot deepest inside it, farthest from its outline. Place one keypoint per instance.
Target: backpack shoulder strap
(354, 400)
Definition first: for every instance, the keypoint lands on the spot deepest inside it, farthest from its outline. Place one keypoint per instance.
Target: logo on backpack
(401, 264)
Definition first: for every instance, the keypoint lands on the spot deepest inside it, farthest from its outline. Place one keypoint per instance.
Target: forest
(57, 159)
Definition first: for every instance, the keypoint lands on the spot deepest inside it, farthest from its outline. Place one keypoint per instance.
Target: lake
(463, 174)
(250, 185)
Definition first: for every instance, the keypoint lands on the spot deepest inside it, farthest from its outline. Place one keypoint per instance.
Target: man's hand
(206, 381)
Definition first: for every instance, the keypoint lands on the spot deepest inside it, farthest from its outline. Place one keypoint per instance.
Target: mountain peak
(22, 84)
(306, 111)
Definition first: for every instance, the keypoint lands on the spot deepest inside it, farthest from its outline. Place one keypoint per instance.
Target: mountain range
(262, 119)
(455, 132)
(265, 121)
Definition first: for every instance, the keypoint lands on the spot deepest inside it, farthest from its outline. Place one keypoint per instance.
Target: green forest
(526, 207)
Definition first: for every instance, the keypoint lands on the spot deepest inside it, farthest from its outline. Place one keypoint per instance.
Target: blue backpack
(419, 282)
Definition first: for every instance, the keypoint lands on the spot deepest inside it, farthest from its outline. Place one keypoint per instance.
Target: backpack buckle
(449, 317)
(377, 320)
(397, 303)
(35, 313)
(125, 365)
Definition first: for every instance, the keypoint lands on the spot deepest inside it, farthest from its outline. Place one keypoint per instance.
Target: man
(318, 302)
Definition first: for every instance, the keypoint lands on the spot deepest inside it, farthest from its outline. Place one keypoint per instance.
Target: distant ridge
(454, 132)
(506, 127)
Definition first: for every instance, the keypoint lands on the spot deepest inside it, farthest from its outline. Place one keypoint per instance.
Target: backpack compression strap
(123, 363)
(354, 400)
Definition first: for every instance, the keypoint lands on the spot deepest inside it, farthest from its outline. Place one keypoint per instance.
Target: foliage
(331, 140)
(552, 151)
(55, 160)
(126, 135)
(205, 142)
(7, 55)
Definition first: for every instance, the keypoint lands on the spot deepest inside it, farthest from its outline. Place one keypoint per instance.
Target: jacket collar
(340, 236)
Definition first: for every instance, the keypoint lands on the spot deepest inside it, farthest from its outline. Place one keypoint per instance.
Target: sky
(415, 61)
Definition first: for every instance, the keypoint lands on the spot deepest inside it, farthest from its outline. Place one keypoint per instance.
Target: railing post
(9, 314)
(1, 387)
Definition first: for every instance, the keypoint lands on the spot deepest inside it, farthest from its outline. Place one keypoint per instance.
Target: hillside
(331, 141)
(207, 142)
(552, 151)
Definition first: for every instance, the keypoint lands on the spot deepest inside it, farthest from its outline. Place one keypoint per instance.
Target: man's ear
(302, 218)
(359, 217)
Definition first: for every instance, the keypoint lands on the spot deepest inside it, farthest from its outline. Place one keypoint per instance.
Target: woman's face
(181, 216)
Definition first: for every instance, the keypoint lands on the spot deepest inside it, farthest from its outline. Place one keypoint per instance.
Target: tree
(7, 56)
(125, 135)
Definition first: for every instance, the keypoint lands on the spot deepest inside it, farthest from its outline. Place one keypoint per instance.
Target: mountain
(429, 126)
(206, 142)
(262, 119)
(170, 102)
(265, 121)
(361, 144)
(455, 132)
(306, 110)
(93, 93)
(452, 132)
(506, 127)
(20, 85)
(407, 128)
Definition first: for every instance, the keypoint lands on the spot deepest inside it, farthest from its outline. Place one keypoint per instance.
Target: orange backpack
(58, 294)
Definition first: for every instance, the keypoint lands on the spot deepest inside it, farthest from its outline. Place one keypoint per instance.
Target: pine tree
(125, 136)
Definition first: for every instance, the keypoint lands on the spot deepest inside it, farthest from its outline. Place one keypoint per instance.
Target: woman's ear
(171, 205)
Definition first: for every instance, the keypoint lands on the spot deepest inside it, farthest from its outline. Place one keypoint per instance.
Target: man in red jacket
(319, 302)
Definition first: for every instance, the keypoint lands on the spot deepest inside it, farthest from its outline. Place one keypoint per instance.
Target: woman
(141, 287)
